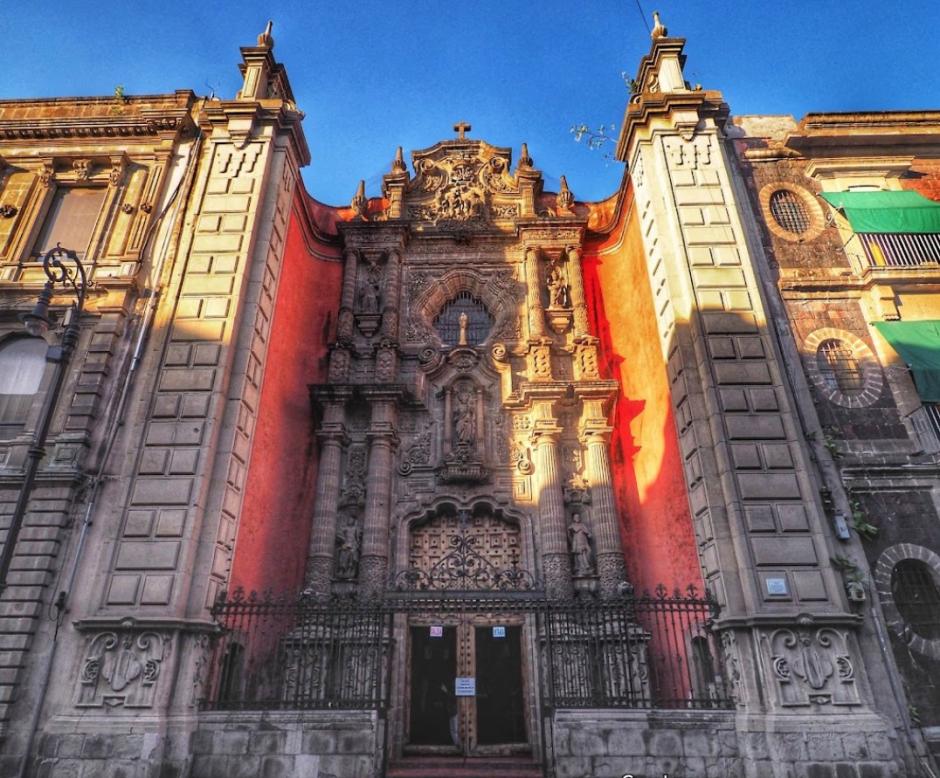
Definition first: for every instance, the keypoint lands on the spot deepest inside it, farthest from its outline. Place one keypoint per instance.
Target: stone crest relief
(121, 668)
(467, 182)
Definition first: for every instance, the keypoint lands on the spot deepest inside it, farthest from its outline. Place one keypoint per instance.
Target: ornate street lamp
(62, 267)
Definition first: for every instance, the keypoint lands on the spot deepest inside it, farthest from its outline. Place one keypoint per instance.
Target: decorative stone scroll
(121, 668)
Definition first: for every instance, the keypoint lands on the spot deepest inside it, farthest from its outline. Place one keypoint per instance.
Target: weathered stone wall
(610, 744)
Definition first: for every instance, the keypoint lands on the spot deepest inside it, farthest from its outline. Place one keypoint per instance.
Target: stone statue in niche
(349, 538)
(463, 320)
(464, 419)
(557, 288)
(369, 296)
(579, 541)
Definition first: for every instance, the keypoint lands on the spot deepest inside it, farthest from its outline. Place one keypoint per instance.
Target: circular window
(791, 212)
(464, 314)
(917, 597)
(907, 577)
(843, 368)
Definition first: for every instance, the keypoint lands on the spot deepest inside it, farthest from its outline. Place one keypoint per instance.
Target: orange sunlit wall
(656, 526)
(274, 532)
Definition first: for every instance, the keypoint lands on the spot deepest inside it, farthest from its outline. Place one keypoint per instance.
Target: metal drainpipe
(813, 432)
(176, 202)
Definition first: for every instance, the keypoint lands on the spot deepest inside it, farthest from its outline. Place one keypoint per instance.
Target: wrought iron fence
(651, 651)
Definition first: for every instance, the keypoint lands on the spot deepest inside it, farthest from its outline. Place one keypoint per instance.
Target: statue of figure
(349, 537)
(463, 319)
(579, 539)
(557, 289)
(369, 297)
(465, 418)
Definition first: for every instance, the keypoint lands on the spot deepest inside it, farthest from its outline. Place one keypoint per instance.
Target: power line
(643, 16)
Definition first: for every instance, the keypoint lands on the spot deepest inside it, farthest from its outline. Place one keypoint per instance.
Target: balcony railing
(652, 651)
(884, 249)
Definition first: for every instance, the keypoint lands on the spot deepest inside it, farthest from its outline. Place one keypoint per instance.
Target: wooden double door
(467, 692)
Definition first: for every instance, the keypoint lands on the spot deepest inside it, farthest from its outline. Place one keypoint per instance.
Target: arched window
(789, 212)
(22, 363)
(479, 320)
(917, 597)
(839, 366)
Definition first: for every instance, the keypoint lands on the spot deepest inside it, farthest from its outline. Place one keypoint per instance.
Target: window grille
(933, 416)
(479, 320)
(839, 366)
(917, 597)
(70, 220)
(789, 212)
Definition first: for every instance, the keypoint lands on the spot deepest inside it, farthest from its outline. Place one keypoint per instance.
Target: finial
(461, 128)
(659, 29)
(266, 40)
(525, 160)
(564, 199)
(359, 202)
(398, 164)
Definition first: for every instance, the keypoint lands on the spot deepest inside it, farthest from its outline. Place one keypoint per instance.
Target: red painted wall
(274, 532)
(656, 526)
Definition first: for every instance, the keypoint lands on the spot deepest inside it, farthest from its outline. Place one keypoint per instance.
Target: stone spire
(525, 161)
(359, 202)
(265, 39)
(398, 164)
(564, 200)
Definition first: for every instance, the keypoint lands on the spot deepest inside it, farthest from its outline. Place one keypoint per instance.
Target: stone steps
(464, 767)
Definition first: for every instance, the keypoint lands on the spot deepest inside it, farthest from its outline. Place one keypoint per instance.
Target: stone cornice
(241, 117)
(643, 109)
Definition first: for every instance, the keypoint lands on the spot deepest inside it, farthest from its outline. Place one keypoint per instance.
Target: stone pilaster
(595, 435)
(552, 528)
(323, 536)
(346, 322)
(534, 284)
(383, 440)
(392, 295)
(576, 291)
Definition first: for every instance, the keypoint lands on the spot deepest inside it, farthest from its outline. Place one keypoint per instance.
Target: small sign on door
(437, 631)
(499, 632)
(465, 686)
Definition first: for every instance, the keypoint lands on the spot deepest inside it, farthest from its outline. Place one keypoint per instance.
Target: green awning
(887, 211)
(918, 344)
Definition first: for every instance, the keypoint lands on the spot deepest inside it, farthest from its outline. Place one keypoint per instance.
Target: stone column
(373, 560)
(344, 327)
(323, 535)
(610, 566)
(556, 565)
(392, 295)
(481, 426)
(534, 283)
(576, 290)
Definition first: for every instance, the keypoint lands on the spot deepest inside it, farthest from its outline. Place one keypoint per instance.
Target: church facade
(470, 475)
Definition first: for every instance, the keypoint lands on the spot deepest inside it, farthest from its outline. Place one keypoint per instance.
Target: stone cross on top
(461, 128)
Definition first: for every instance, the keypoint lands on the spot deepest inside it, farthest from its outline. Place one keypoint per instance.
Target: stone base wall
(308, 744)
(611, 744)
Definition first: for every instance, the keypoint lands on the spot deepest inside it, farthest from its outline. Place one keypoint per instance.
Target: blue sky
(371, 75)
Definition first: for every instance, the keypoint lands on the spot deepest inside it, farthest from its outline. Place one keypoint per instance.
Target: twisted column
(344, 326)
(556, 566)
(576, 290)
(323, 534)
(610, 566)
(373, 560)
(534, 284)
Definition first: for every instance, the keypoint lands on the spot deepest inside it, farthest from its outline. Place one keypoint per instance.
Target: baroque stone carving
(418, 453)
(354, 489)
(812, 665)
(459, 182)
(579, 543)
(121, 668)
(349, 542)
